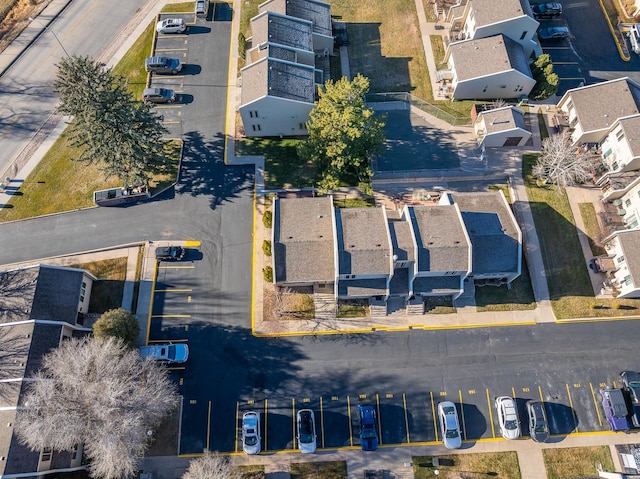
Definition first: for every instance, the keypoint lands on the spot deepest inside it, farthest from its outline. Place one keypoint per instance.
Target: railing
(421, 104)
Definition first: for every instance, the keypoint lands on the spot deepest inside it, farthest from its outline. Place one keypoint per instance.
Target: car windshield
(540, 428)
(634, 384)
(513, 424)
(250, 440)
(368, 433)
(452, 434)
(306, 438)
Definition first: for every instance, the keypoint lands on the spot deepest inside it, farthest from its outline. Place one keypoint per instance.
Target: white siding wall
(631, 204)
(618, 154)
(491, 87)
(275, 117)
(85, 296)
(495, 140)
(521, 30)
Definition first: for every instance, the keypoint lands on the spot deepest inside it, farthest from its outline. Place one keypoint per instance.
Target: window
(46, 454)
(569, 106)
(627, 203)
(620, 259)
(524, 34)
(620, 134)
(632, 222)
(302, 127)
(74, 452)
(253, 113)
(256, 127)
(83, 291)
(503, 86)
(485, 88)
(626, 281)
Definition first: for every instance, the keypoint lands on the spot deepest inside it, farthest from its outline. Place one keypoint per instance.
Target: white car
(251, 432)
(508, 417)
(171, 25)
(449, 426)
(306, 423)
(168, 353)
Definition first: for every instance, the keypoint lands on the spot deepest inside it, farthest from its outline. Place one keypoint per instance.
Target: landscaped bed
(319, 470)
(575, 462)
(491, 464)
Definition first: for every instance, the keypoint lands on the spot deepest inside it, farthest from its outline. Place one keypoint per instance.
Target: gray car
(538, 426)
(158, 95)
(553, 33)
(164, 65)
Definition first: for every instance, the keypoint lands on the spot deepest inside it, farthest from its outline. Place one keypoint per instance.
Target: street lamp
(46, 27)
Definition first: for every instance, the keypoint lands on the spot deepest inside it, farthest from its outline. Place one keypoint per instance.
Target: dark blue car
(368, 431)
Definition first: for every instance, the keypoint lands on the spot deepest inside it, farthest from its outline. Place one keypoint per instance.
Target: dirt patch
(17, 19)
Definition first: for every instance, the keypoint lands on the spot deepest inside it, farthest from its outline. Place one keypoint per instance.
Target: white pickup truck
(169, 353)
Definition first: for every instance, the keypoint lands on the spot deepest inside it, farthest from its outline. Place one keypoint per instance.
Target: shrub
(242, 45)
(118, 323)
(267, 273)
(266, 247)
(546, 80)
(267, 218)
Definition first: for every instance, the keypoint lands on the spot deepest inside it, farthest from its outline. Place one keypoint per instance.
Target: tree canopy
(118, 323)
(546, 80)
(98, 393)
(343, 134)
(561, 163)
(111, 128)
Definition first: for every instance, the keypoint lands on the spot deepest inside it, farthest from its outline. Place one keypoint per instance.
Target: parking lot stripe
(153, 294)
(192, 243)
(237, 421)
(177, 290)
(573, 411)
(349, 416)
(378, 411)
(595, 403)
(322, 422)
(540, 393)
(171, 50)
(513, 393)
(208, 426)
(164, 341)
(170, 316)
(266, 417)
(433, 415)
(175, 266)
(493, 431)
(406, 417)
(293, 420)
(464, 427)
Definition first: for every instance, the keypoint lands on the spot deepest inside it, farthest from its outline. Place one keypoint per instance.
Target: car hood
(452, 442)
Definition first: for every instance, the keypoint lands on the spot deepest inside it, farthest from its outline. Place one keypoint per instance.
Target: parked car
(170, 253)
(168, 353)
(306, 423)
(615, 408)
(538, 426)
(508, 417)
(546, 10)
(201, 8)
(171, 25)
(163, 65)
(251, 432)
(553, 33)
(158, 95)
(631, 382)
(368, 431)
(449, 426)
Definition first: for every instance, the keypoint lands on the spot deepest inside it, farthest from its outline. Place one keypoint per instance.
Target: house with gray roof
(499, 127)
(40, 306)
(489, 68)
(442, 249)
(496, 238)
(476, 19)
(592, 110)
(623, 248)
(365, 259)
(316, 11)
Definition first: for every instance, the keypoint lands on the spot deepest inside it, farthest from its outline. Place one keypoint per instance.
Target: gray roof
(488, 56)
(631, 128)
(277, 78)
(503, 119)
(402, 240)
(599, 106)
(442, 244)
(274, 50)
(40, 292)
(630, 245)
(495, 238)
(363, 241)
(362, 287)
(436, 284)
(313, 10)
(399, 283)
(488, 12)
(303, 240)
(285, 30)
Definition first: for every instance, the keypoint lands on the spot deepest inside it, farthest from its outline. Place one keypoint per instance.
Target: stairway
(325, 306)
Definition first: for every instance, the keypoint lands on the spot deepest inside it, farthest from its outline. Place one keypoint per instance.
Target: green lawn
(576, 462)
(519, 297)
(107, 292)
(503, 465)
(592, 228)
(131, 66)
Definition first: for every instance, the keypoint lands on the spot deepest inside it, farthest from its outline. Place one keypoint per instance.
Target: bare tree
(560, 163)
(210, 466)
(99, 393)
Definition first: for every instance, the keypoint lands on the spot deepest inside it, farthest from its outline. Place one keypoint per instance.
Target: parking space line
(493, 431)
(595, 403)
(540, 393)
(170, 316)
(192, 243)
(293, 420)
(170, 122)
(167, 107)
(164, 341)
(208, 426)
(349, 415)
(153, 293)
(379, 419)
(237, 419)
(513, 393)
(433, 415)
(565, 63)
(573, 411)
(266, 418)
(189, 266)
(176, 290)
(464, 427)
(171, 50)
(322, 422)
(406, 417)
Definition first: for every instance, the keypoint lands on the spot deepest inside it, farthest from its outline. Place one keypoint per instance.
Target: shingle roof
(303, 240)
(362, 287)
(503, 119)
(401, 240)
(488, 12)
(495, 238)
(497, 53)
(436, 284)
(442, 244)
(274, 50)
(631, 128)
(313, 10)
(630, 245)
(285, 30)
(599, 106)
(277, 78)
(363, 241)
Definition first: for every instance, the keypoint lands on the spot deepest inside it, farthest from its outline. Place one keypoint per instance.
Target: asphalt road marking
(293, 420)
(176, 290)
(464, 427)
(164, 341)
(208, 426)
(177, 266)
(379, 419)
(406, 417)
(237, 422)
(321, 422)
(192, 244)
(350, 426)
(433, 415)
(573, 411)
(170, 316)
(266, 416)
(493, 431)
(595, 403)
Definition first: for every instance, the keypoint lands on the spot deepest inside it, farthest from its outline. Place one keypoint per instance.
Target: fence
(421, 104)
